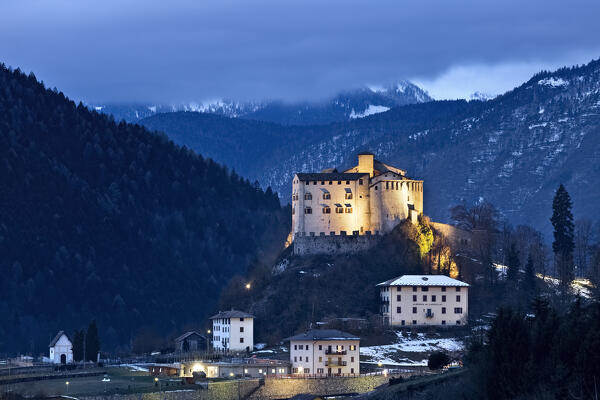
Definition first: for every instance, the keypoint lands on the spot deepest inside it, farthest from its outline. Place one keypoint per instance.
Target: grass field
(121, 381)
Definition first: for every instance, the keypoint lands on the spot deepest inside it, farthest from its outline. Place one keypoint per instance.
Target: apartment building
(233, 331)
(424, 300)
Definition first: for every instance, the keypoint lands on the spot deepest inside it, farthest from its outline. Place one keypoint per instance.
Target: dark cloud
(183, 50)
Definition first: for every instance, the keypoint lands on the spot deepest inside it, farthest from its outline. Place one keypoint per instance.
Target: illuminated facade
(233, 331)
(368, 199)
(418, 300)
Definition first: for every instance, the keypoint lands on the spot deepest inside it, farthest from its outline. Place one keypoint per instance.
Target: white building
(368, 199)
(61, 349)
(233, 331)
(325, 352)
(424, 300)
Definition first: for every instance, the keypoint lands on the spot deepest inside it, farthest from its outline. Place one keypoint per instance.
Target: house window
(322, 182)
(320, 347)
(241, 340)
(295, 370)
(295, 359)
(443, 322)
(331, 182)
(339, 210)
(458, 288)
(301, 347)
(458, 322)
(414, 297)
(347, 182)
(443, 310)
(387, 186)
(320, 359)
(306, 359)
(457, 310)
(424, 289)
(326, 196)
(403, 322)
(307, 370)
(433, 297)
(307, 347)
(399, 310)
(241, 319)
(398, 297)
(241, 329)
(443, 288)
(424, 297)
(348, 210)
(443, 298)
(414, 310)
(414, 321)
(353, 347)
(351, 359)
(360, 181)
(414, 288)
(319, 370)
(307, 196)
(326, 210)
(293, 210)
(308, 210)
(351, 370)
(375, 187)
(457, 297)
(295, 347)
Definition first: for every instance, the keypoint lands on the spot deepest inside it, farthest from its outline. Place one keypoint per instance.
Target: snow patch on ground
(369, 111)
(553, 82)
(409, 344)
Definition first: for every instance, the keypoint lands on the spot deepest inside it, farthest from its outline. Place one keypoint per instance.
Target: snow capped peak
(481, 96)
(371, 109)
(377, 88)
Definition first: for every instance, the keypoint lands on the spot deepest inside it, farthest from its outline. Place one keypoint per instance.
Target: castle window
(375, 187)
(308, 210)
(360, 181)
(293, 210)
(331, 182)
(332, 233)
(396, 185)
(312, 234)
(348, 196)
(343, 233)
(308, 196)
(322, 234)
(339, 209)
(326, 196)
(348, 209)
(355, 233)
(339, 182)
(387, 186)
(314, 182)
(322, 182)
(326, 210)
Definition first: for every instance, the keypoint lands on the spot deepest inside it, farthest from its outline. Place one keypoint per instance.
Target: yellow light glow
(208, 331)
(245, 371)
(379, 364)
(231, 374)
(155, 379)
(67, 382)
(198, 367)
(248, 286)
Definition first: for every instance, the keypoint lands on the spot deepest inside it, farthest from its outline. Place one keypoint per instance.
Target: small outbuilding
(191, 341)
(61, 349)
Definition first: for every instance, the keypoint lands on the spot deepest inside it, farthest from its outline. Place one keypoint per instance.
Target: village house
(61, 349)
(325, 352)
(366, 200)
(424, 300)
(233, 331)
(190, 342)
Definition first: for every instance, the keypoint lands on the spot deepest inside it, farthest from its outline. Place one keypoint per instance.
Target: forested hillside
(108, 221)
(513, 150)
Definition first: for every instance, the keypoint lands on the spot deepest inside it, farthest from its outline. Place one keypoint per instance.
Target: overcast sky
(193, 50)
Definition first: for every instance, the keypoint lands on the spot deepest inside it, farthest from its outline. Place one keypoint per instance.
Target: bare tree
(583, 243)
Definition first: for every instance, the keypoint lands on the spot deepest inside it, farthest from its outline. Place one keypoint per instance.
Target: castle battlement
(367, 200)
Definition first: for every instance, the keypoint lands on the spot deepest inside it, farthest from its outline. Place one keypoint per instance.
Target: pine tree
(92, 342)
(513, 263)
(563, 245)
(78, 345)
(529, 278)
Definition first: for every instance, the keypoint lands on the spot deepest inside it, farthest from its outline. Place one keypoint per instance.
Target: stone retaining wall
(348, 244)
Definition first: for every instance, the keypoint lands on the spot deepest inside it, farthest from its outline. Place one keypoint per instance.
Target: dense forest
(108, 221)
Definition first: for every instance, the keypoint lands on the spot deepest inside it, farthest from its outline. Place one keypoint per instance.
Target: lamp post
(208, 341)
(67, 383)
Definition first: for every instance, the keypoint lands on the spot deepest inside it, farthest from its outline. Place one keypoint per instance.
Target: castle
(340, 212)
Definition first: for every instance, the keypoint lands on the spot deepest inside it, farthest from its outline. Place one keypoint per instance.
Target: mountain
(512, 150)
(345, 106)
(108, 221)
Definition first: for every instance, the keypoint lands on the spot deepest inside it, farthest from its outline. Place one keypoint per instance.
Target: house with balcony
(233, 331)
(325, 352)
(419, 300)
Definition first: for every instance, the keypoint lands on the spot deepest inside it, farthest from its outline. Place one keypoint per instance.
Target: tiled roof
(188, 334)
(323, 334)
(58, 335)
(423, 280)
(232, 314)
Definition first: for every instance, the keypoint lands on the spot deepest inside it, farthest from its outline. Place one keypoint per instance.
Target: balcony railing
(335, 363)
(429, 315)
(336, 352)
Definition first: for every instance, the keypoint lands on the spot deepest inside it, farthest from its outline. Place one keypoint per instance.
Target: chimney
(365, 163)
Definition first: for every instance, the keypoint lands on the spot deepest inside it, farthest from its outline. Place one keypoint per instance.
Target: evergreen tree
(92, 342)
(563, 245)
(78, 345)
(513, 263)
(529, 278)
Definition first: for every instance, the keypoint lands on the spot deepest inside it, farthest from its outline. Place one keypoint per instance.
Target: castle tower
(366, 163)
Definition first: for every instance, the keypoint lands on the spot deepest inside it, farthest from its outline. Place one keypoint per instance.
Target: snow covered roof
(232, 314)
(423, 280)
(323, 334)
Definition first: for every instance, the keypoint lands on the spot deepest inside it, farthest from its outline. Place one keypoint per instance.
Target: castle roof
(423, 280)
(331, 176)
(323, 334)
(232, 314)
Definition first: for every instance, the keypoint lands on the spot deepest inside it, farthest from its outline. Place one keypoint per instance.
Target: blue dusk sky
(192, 50)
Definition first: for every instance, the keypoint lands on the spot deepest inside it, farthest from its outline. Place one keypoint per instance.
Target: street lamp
(248, 286)
(67, 383)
